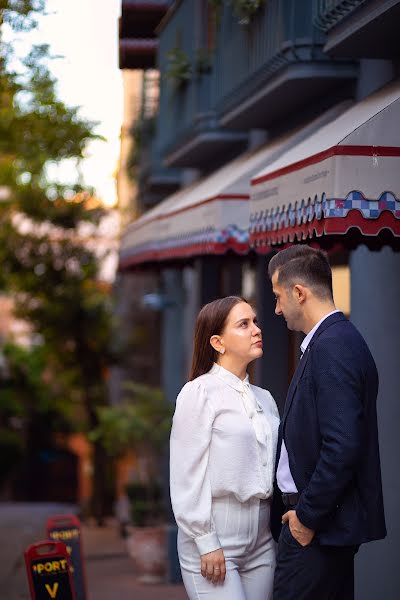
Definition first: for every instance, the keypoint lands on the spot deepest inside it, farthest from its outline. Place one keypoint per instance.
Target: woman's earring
(222, 351)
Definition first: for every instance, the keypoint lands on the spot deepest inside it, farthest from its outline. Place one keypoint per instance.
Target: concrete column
(191, 284)
(231, 281)
(172, 368)
(172, 377)
(209, 270)
(272, 369)
(375, 294)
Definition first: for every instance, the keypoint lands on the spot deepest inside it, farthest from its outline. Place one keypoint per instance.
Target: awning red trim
(184, 252)
(263, 241)
(334, 151)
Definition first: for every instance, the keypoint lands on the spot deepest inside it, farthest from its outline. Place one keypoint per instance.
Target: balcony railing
(258, 73)
(188, 130)
(328, 13)
(154, 179)
(181, 101)
(280, 35)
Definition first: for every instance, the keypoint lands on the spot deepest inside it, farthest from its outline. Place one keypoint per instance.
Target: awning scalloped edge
(207, 241)
(305, 211)
(264, 241)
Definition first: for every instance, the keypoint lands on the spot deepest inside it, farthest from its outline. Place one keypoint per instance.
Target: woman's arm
(189, 481)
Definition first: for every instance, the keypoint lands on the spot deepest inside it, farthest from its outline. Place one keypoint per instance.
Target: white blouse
(223, 441)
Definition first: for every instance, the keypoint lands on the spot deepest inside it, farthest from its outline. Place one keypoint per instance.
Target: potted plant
(179, 68)
(243, 9)
(141, 423)
(146, 502)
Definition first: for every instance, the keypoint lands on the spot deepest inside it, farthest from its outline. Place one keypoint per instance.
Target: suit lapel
(295, 380)
(339, 316)
(289, 398)
(298, 375)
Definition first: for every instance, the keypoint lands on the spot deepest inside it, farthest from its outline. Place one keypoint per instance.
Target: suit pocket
(291, 541)
(288, 538)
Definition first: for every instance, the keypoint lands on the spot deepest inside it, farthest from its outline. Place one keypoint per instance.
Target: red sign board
(67, 529)
(48, 569)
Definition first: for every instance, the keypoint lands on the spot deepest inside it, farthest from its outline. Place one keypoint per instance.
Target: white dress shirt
(283, 475)
(223, 441)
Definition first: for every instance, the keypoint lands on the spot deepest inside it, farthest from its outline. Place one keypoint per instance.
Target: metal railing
(280, 34)
(181, 101)
(245, 57)
(328, 13)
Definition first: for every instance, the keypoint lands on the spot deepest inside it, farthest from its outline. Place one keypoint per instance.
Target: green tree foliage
(142, 422)
(47, 263)
(20, 14)
(36, 128)
(30, 399)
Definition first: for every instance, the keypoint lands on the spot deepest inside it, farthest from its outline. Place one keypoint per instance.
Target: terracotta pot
(147, 547)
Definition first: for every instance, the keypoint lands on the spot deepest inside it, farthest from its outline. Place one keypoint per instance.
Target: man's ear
(217, 343)
(300, 293)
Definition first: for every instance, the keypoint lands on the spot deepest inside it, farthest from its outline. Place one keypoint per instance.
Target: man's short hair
(304, 265)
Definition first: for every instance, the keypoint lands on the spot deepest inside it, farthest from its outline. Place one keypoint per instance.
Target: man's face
(286, 304)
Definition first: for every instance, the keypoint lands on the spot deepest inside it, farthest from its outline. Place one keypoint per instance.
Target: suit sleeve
(189, 479)
(338, 385)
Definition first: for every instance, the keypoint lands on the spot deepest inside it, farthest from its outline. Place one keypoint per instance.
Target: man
(328, 491)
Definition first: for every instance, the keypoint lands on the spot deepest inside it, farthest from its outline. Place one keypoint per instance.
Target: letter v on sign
(52, 590)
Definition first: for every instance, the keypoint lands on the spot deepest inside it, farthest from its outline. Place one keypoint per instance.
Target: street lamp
(156, 301)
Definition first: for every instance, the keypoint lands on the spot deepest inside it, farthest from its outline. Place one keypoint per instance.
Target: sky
(85, 33)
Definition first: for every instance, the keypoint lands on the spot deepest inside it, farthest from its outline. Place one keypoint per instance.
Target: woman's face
(241, 338)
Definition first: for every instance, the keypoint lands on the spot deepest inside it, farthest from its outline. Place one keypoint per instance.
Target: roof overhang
(137, 53)
(141, 18)
(370, 31)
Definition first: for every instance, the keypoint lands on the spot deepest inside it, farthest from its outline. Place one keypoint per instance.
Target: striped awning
(176, 229)
(212, 215)
(344, 176)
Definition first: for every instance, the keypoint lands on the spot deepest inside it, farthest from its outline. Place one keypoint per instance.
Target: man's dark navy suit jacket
(330, 430)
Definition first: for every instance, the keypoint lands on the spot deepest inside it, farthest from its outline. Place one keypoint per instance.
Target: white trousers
(244, 531)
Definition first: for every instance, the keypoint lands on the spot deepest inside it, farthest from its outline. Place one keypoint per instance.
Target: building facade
(277, 123)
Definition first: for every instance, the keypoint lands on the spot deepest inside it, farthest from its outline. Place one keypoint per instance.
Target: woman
(223, 443)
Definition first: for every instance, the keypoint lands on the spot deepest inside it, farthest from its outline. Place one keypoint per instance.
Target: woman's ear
(217, 344)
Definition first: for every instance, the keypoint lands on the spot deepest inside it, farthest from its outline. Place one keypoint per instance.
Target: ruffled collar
(250, 402)
(229, 378)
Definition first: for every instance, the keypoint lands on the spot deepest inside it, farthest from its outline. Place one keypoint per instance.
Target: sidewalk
(21, 524)
(109, 570)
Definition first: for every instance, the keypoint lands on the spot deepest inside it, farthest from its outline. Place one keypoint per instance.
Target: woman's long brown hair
(210, 321)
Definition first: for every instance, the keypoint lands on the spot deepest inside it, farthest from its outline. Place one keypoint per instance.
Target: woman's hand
(213, 566)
